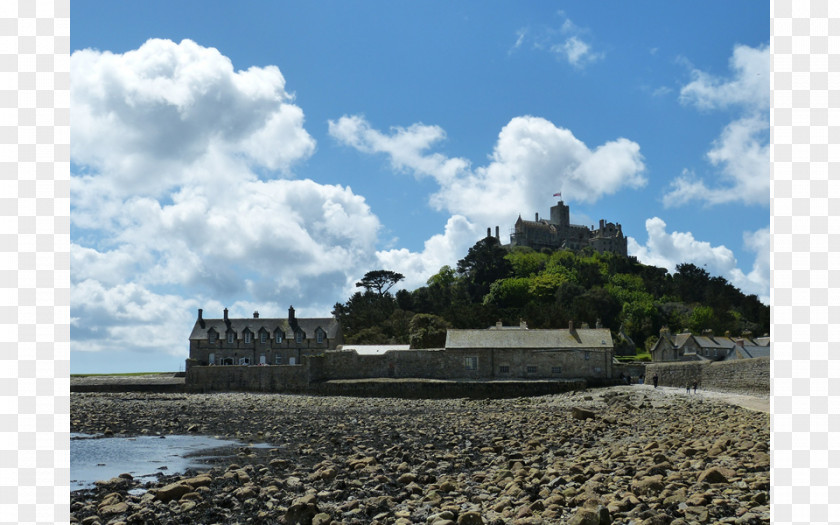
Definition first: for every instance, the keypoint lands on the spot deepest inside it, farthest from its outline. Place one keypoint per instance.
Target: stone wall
(748, 376)
(276, 378)
(592, 365)
(436, 389)
(460, 364)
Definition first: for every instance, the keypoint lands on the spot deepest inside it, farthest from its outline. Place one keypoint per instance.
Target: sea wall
(273, 378)
(463, 364)
(749, 376)
(528, 372)
(436, 389)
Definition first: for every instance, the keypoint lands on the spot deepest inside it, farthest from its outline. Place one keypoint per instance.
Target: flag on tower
(557, 194)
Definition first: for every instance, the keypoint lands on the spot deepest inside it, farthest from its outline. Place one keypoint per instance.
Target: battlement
(558, 233)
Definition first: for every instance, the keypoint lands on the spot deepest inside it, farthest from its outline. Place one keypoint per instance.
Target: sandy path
(757, 403)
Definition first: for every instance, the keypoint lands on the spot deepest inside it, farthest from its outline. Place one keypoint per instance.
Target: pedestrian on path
(695, 386)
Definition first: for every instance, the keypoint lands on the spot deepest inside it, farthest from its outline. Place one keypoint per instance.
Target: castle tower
(560, 215)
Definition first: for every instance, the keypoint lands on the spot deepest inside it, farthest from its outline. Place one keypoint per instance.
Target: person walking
(695, 386)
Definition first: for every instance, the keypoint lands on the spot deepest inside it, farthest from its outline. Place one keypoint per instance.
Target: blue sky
(259, 155)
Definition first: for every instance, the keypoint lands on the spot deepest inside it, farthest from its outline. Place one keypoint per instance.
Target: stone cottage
(261, 341)
(686, 346)
(502, 352)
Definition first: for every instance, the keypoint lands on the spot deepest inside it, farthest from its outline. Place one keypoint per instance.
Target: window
(530, 369)
(212, 336)
(555, 370)
(231, 337)
(319, 336)
(504, 369)
(278, 360)
(278, 337)
(298, 337)
(470, 363)
(586, 355)
(244, 361)
(247, 338)
(212, 358)
(263, 337)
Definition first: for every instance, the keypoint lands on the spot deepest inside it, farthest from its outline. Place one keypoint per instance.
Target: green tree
(427, 331)
(701, 318)
(544, 287)
(484, 264)
(513, 292)
(525, 262)
(380, 281)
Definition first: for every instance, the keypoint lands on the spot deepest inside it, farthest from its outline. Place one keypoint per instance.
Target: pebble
(615, 455)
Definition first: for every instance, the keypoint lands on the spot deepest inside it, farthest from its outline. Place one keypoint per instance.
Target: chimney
(499, 323)
(664, 331)
(537, 216)
(256, 314)
(522, 324)
(727, 333)
(497, 233)
(488, 231)
(200, 318)
(572, 331)
(291, 314)
(226, 314)
(708, 332)
(584, 325)
(598, 323)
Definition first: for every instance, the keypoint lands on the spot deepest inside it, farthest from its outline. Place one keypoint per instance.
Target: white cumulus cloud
(531, 158)
(184, 195)
(439, 250)
(668, 249)
(742, 151)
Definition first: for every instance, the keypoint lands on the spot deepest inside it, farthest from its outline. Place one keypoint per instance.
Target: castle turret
(560, 214)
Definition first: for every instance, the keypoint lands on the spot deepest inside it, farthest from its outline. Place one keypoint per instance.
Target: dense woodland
(548, 289)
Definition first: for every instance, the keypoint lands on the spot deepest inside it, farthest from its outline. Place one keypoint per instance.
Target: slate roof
(308, 325)
(756, 351)
(680, 340)
(527, 338)
(748, 351)
(711, 342)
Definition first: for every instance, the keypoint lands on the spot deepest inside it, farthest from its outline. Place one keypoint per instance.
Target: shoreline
(628, 454)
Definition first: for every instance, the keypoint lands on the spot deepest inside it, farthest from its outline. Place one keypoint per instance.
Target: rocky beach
(625, 454)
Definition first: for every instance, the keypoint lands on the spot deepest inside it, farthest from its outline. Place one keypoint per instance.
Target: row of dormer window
(213, 336)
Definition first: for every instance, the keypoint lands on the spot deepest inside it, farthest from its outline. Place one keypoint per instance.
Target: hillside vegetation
(547, 290)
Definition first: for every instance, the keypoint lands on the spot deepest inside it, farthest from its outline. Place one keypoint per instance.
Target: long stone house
(512, 353)
(261, 341)
(686, 346)
(508, 352)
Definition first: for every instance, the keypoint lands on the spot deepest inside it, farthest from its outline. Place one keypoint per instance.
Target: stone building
(503, 352)
(557, 233)
(261, 341)
(686, 346)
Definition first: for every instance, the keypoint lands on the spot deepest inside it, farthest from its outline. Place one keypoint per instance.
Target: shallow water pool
(98, 458)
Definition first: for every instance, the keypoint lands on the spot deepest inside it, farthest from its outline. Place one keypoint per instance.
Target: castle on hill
(558, 233)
